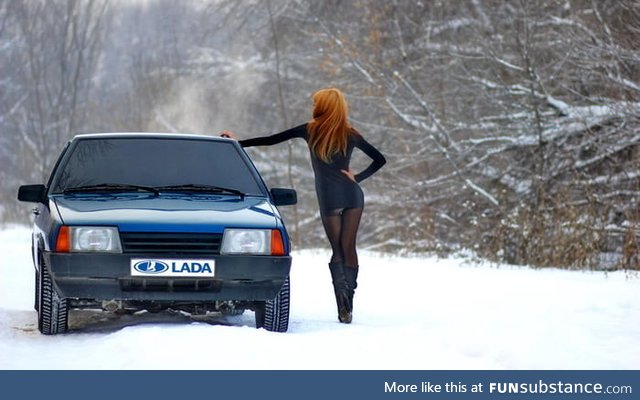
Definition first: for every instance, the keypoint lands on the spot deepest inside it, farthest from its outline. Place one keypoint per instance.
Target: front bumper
(108, 277)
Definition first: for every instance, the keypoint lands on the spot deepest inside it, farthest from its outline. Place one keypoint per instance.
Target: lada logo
(150, 267)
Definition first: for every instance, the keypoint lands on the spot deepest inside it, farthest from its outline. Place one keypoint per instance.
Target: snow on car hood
(167, 212)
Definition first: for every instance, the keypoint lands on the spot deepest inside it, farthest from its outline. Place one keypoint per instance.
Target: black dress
(335, 190)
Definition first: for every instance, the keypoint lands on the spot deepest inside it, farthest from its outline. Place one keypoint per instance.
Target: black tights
(341, 227)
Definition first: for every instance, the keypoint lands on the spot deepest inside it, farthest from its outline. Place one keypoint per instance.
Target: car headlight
(252, 241)
(88, 239)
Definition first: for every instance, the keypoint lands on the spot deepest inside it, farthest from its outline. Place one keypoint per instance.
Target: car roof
(147, 135)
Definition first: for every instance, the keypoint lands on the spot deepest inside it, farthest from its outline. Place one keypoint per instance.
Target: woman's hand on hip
(229, 134)
(349, 174)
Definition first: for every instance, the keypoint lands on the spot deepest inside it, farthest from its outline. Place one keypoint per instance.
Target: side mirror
(284, 197)
(32, 193)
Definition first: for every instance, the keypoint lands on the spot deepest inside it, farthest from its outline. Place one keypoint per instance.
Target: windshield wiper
(200, 188)
(112, 187)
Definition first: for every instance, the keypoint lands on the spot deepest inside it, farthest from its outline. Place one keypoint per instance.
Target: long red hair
(329, 128)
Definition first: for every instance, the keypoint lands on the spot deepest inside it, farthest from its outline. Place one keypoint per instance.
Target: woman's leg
(341, 227)
(332, 222)
(348, 235)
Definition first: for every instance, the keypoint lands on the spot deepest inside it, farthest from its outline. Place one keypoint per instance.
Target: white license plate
(161, 267)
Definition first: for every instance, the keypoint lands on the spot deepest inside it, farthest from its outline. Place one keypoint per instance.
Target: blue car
(137, 221)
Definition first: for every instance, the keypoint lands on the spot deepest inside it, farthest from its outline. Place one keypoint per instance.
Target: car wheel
(53, 313)
(36, 303)
(273, 315)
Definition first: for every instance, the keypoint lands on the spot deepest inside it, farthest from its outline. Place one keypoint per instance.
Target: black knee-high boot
(351, 276)
(341, 291)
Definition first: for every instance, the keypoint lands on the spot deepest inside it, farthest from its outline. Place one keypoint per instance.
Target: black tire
(53, 313)
(273, 315)
(36, 303)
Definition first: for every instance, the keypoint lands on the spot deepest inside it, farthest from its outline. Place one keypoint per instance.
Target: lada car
(141, 221)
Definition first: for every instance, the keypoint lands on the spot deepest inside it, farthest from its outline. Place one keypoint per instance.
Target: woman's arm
(374, 154)
(297, 132)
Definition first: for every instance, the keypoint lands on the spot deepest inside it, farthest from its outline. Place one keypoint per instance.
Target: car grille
(170, 285)
(176, 243)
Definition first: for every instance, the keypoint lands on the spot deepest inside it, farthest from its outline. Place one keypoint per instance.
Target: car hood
(166, 213)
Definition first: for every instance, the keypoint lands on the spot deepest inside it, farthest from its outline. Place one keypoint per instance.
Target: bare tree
(511, 127)
(59, 43)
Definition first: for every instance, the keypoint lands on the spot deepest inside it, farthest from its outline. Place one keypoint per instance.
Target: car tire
(36, 303)
(53, 313)
(273, 315)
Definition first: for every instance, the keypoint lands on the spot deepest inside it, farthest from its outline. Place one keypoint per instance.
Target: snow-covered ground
(410, 313)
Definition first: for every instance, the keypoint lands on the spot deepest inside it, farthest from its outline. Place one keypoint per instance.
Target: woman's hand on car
(229, 134)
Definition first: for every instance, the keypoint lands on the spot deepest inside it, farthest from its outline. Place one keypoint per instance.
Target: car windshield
(156, 163)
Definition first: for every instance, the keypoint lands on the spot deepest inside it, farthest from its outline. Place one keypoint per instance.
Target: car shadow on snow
(98, 321)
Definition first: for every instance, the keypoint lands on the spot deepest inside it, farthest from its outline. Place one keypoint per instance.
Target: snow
(410, 313)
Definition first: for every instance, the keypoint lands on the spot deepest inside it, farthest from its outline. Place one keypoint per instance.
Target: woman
(331, 141)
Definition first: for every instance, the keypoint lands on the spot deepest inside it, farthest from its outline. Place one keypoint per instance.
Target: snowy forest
(511, 127)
